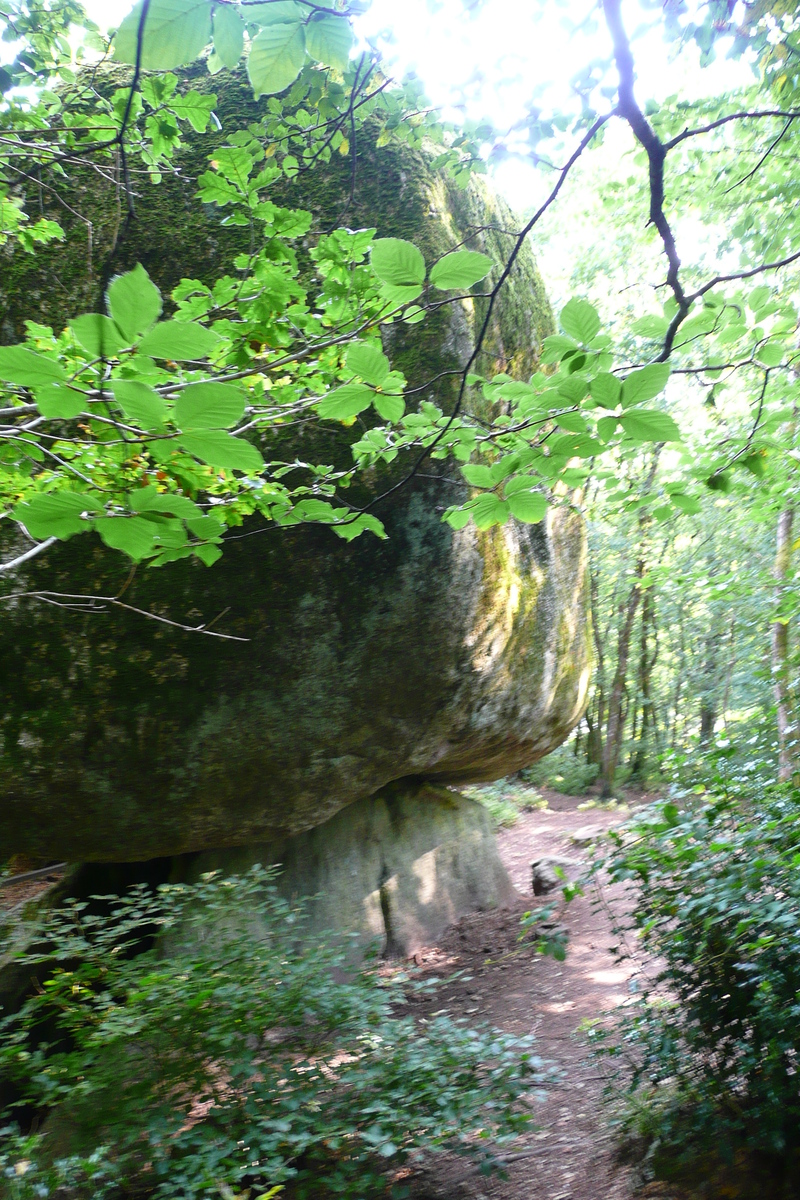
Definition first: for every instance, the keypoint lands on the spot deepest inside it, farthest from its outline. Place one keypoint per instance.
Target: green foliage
(711, 1045)
(505, 800)
(237, 1051)
(563, 771)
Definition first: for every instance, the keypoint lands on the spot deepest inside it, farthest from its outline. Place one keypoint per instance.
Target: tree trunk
(647, 661)
(780, 649)
(708, 695)
(613, 739)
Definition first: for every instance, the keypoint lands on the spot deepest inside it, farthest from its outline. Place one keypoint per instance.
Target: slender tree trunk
(708, 695)
(613, 739)
(595, 723)
(676, 699)
(647, 661)
(729, 675)
(780, 649)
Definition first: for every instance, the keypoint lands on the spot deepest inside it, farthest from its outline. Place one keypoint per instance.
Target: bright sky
(493, 62)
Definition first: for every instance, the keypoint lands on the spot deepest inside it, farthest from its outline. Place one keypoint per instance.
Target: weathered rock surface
(552, 872)
(398, 867)
(441, 655)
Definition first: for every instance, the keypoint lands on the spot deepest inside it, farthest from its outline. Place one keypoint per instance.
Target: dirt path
(570, 1156)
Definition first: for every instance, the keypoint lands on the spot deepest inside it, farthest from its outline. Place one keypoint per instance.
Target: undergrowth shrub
(563, 771)
(709, 1051)
(236, 1055)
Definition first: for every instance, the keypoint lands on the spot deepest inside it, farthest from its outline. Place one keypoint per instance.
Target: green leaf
(368, 361)
(721, 482)
(228, 35)
(687, 504)
(555, 347)
(140, 403)
(606, 427)
(649, 425)
(645, 384)
(175, 32)
(527, 506)
(391, 408)
(179, 340)
(207, 526)
(346, 402)
(134, 302)
(606, 390)
(478, 475)
(398, 296)
(134, 536)
(755, 464)
(221, 449)
(24, 367)
(56, 400)
(285, 12)
(149, 499)
(489, 510)
(651, 326)
(209, 406)
(579, 319)
(572, 422)
(207, 553)
(99, 335)
(276, 58)
(55, 514)
(461, 269)
(329, 40)
(354, 529)
(398, 263)
(771, 354)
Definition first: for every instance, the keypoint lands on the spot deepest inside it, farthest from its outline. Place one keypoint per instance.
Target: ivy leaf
(55, 400)
(649, 425)
(580, 320)
(134, 302)
(209, 406)
(366, 360)
(391, 408)
(175, 33)
(529, 507)
(140, 403)
(645, 384)
(55, 514)
(398, 263)
(179, 340)
(99, 335)
(276, 58)
(228, 35)
(134, 536)
(346, 402)
(221, 449)
(461, 269)
(606, 390)
(28, 369)
(329, 40)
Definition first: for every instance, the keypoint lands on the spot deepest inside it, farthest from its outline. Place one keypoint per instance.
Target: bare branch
(32, 553)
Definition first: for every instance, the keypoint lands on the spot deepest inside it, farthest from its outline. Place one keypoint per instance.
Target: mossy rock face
(452, 656)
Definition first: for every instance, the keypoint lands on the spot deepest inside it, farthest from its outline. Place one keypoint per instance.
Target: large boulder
(438, 655)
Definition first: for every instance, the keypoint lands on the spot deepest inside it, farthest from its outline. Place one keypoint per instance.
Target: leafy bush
(505, 799)
(562, 771)
(712, 1046)
(251, 1055)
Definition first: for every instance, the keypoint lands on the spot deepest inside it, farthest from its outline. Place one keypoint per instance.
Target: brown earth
(571, 1154)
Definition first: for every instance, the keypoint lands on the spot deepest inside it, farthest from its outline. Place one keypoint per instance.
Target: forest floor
(490, 977)
(570, 1155)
